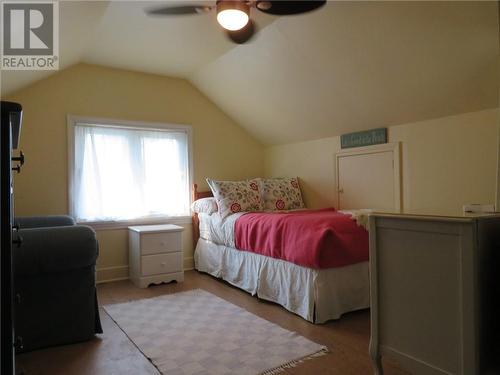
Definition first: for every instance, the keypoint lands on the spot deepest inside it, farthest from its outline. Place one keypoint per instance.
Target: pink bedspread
(312, 238)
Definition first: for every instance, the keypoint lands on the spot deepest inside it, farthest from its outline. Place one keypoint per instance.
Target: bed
(315, 294)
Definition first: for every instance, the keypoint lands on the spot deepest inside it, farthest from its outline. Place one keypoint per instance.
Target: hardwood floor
(113, 353)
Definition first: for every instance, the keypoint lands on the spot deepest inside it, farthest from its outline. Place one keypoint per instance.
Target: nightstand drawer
(161, 263)
(155, 243)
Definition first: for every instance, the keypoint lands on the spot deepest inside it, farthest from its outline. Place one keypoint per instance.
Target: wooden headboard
(196, 222)
(200, 194)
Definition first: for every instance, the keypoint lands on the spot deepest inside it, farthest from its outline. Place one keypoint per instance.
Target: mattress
(317, 295)
(221, 231)
(217, 230)
(327, 238)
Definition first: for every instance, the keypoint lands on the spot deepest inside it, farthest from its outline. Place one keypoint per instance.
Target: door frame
(393, 147)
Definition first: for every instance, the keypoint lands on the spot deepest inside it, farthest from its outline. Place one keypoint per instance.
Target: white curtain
(125, 173)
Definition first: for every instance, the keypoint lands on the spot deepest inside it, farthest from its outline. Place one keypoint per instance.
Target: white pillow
(205, 206)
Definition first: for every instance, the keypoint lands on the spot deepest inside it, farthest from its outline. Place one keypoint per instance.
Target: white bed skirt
(315, 295)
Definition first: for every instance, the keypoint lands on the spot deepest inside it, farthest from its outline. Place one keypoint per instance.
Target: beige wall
(221, 149)
(446, 162)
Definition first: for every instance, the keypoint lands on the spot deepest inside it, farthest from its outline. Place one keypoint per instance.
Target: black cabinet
(11, 118)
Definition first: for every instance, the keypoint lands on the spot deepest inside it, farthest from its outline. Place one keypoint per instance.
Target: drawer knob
(163, 264)
(163, 243)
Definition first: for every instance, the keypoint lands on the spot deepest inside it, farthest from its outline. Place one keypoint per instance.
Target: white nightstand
(155, 254)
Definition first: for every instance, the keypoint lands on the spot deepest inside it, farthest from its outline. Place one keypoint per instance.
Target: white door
(367, 180)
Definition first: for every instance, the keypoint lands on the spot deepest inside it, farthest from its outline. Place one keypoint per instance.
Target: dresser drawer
(155, 243)
(161, 263)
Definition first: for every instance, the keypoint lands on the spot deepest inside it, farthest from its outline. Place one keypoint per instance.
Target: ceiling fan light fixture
(232, 15)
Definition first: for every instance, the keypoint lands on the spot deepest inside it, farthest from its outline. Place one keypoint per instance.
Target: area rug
(195, 332)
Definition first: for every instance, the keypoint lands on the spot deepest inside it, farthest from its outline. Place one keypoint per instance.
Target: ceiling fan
(234, 15)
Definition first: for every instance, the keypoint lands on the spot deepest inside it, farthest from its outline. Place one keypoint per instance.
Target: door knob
(341, 191)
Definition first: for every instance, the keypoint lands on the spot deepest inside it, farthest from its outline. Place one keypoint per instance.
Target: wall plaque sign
(364, 138)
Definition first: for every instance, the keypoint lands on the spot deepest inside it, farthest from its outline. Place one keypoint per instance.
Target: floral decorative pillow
(281, 194)
(236, 196)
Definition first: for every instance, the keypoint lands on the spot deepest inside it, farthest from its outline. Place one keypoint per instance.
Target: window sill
(112, 225)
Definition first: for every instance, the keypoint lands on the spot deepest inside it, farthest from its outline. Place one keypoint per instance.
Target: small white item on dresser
(478, 208)
(155, 254)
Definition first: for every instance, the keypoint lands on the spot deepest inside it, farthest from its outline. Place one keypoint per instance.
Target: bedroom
(276, 106)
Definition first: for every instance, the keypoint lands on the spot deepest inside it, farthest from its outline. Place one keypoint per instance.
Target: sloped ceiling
(354, 66)
(174, 46)
(77, 24)
(347, 67)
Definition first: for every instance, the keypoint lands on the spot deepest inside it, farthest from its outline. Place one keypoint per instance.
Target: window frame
(72, 120)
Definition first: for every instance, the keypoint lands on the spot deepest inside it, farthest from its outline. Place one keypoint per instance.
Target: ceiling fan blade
(178, 10)
(243, 35)
(285, 8)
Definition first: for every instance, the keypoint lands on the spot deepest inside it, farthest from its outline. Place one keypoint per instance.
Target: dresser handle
(18, 240)
(18, 342)
(19, 158)
(163, 264)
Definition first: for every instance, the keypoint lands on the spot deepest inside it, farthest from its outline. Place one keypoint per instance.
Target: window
(122, 171)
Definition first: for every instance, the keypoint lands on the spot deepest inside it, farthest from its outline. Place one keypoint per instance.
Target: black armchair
(54, 281)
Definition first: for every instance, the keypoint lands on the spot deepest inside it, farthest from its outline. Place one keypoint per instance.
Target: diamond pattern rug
(195, 332)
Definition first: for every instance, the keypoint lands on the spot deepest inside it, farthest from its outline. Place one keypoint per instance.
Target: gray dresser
(434, 292)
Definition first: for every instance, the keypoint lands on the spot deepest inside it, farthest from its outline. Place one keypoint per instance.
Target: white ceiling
(349, 66)
(175, 46)
(77, 23)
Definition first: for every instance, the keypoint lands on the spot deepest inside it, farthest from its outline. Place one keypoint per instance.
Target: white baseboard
(111, 280)
(114, 273)
(117, 273)
(188, 264)
(412, 364)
